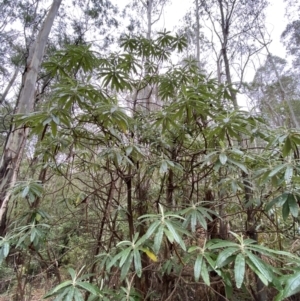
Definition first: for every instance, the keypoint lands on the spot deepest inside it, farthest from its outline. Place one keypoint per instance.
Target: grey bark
(225, 22)
(149, 19)
(17, 137)
(197, 33)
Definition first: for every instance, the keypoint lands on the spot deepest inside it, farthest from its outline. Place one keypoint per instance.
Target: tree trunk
(225, 22)
(17, 137)
(149, 18)
(197, 34)
(251, 222)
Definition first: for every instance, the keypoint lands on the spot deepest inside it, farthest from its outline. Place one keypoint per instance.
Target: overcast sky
(275, 22)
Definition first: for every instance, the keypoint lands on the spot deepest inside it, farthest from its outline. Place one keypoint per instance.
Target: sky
(275, 22)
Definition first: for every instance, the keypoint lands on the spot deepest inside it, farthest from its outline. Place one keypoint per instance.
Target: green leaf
(114, 260)
(126, 267)
(53, 129)
(280, 200)
(78, 296)
(25, 191)
(137, 262)
(288, 174)
(58, 288)
(279, 297)
(193, 218)
(63, 294)
(128, 150)
(69, 296)
(287, 147)
(197, 267)
(175, 234)
(239, 270)
(292, 286)
(293, 205)
(276, 170)
(228, 285)
(239, 165)
(285, 210)
(169, 235)
(5, 249)
(193, 248)
(223, 158)
(72, 273)
(163, 167)
(33, 234)
(261, 266)
(89, 287)
(257, 272)
(224, 255)
(125, 254)
(204, 274)
(211, 262)
(158, 238)
(152, 228)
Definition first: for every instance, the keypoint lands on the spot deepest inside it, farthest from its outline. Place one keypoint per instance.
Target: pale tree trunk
(149, 18)
(153, 13)
(197, 34)
(148, 5)
(16, 139)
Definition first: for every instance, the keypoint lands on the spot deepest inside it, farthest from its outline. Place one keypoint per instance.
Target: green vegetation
(141, 179)
(144, 202)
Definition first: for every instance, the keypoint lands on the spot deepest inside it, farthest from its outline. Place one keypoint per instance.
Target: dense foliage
(142, 180)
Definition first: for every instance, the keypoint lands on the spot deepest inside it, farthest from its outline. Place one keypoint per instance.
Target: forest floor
(36, 295)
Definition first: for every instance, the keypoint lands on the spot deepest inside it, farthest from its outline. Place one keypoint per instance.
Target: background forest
(129, 168)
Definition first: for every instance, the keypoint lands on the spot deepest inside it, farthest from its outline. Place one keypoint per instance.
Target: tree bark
(149, 19)
(225, 22)
(17, 137)
(197, 34)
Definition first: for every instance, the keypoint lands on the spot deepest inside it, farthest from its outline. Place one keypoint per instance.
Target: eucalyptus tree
(235, 24)
(6, 38)
(84, 21)
(273, 83)
(16, 139)
(290, 36)
(191, 26)
(144, 15)
(12, 58)
(95, 20)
